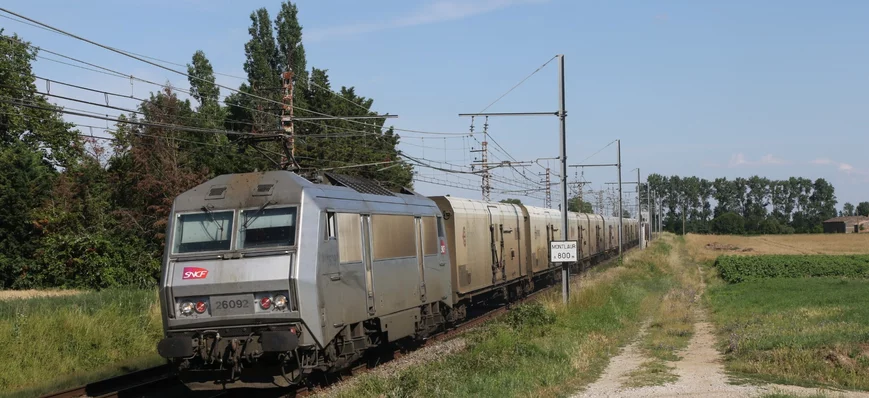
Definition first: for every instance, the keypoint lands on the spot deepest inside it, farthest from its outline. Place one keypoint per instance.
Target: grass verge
(802, 331)
(52, 343)
(544, 348)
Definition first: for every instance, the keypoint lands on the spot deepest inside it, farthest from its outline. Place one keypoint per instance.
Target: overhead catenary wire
(185, 65)
(141, 59)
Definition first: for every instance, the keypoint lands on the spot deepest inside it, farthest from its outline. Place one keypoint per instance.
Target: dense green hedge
(735, 269)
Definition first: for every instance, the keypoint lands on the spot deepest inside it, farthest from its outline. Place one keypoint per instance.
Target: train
(270, 277)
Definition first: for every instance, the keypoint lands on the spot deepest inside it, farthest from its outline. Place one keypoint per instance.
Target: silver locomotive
(269, 277)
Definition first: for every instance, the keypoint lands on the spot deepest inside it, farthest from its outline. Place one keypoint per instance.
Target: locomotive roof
(244, 190)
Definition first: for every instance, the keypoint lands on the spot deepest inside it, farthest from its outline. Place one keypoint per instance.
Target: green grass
(53, 343)
(801, 331)
(545, 349)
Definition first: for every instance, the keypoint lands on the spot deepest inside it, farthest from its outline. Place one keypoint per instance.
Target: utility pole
(562, 115)
(621, 225)
(649, 207)
(484, 161)
(287, 112)
(547, 202)
(639, 210)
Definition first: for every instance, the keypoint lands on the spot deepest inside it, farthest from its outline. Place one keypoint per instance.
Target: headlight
(280, 302)
(187, 308)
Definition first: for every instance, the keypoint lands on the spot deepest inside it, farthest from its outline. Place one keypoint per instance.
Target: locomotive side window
(203, 232)
(393, 236)
(267, 227)
(429, 235)
(349, 238)
(330, 225)
(441, 227)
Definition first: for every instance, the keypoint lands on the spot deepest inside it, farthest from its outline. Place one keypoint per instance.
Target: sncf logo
(194, 273)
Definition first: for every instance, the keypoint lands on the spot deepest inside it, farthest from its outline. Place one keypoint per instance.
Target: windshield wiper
(211, 216)
(256, 214)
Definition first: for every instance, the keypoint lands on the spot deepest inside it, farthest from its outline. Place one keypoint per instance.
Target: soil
(726, 247)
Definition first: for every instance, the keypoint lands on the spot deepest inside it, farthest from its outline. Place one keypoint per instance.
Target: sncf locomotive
(269, 277)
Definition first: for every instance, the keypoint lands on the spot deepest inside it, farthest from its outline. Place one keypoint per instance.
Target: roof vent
(358, 184)
(264, 190)
(216, 192)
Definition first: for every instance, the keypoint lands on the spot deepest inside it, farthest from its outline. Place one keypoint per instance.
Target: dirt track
(700, 372)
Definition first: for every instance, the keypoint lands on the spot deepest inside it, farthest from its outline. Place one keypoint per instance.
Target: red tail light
(265, 303)
(201, 307)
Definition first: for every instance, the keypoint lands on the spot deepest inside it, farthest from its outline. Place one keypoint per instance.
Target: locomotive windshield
(203, 232)
(267, 227)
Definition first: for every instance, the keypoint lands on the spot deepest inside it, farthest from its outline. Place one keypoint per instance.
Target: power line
(508, 92)
(518, 84)
(138, 58)
(186, 65)
(135, 122)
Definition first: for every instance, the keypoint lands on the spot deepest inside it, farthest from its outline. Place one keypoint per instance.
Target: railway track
(159, 382)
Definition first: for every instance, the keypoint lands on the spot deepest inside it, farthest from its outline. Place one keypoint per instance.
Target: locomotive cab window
(203, 232)
(267, 227)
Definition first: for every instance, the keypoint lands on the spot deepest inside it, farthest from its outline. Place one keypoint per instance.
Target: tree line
(82, 212)
(754, 205)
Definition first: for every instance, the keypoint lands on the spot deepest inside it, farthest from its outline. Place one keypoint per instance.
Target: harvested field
(709, 247)
(26, 294)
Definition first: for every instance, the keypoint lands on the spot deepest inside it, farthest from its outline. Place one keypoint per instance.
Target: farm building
(846, 225)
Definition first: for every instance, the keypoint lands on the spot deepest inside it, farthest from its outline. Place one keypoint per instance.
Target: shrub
(531, 314)
(729, 223)
(735, 269)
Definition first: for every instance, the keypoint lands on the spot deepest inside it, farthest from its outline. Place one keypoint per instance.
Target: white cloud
(842, 167)
(437, 11)
(739, 159)
(770, 159)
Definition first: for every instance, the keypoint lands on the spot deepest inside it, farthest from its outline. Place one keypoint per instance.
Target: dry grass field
(26, 294)
(708, 247)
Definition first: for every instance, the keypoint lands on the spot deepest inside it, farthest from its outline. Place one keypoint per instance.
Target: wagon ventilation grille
(360, 185)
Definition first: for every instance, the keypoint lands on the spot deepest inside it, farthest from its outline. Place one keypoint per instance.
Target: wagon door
(497, 244)
(510, 242)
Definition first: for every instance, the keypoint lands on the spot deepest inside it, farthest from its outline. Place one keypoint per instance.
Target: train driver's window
(441, 227)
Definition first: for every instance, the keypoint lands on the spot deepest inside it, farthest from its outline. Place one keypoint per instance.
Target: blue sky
(737, 88)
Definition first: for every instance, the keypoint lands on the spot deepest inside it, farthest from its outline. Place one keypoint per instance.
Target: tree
(863, 209)
(577, 205)
(729, 223)
(848, 209)
(511, 201)
(39, 126)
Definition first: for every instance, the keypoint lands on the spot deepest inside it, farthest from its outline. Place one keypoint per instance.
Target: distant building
(847, 225)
